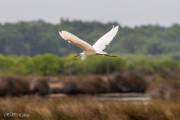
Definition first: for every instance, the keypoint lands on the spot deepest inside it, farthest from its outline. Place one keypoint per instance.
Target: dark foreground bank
(155, 85)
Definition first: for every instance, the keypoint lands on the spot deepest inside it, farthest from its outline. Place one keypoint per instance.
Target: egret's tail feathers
(103, 52)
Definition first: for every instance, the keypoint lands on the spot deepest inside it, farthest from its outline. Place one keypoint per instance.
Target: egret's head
(82, 56)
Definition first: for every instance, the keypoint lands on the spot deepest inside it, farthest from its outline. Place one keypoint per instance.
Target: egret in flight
(89, 50)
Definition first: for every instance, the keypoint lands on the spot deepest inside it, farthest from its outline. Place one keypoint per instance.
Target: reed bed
(85, 108)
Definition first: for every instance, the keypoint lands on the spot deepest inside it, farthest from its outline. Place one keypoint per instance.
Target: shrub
(128, 82)
(104, 65)
(7, 64)
(39, 87)
(13, 86)
(47, 65)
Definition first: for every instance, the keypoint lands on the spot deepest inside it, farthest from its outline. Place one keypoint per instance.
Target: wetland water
(130, 97)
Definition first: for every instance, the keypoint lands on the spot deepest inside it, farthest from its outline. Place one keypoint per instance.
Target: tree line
(39, 37)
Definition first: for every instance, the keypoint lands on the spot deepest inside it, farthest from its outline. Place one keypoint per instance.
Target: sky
(126, 12)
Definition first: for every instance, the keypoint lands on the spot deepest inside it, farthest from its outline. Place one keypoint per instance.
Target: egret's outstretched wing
(76, 41)
(100, 45)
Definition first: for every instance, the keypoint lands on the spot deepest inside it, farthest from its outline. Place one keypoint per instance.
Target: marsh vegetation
(73, 108)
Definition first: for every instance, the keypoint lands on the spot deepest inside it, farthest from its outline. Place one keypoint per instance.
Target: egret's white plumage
(88, 50)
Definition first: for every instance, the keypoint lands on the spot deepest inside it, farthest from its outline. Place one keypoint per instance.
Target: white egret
(88, 50)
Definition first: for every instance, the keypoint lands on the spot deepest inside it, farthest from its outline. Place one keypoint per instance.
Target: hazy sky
(126, 12)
